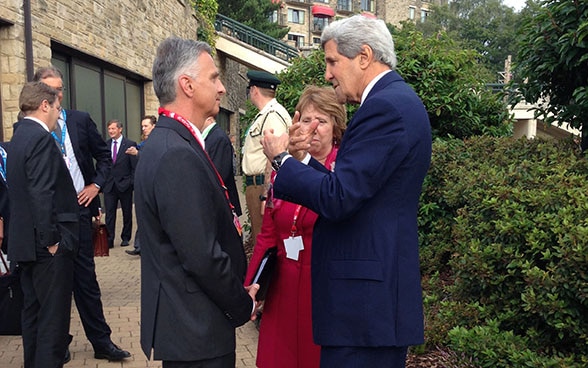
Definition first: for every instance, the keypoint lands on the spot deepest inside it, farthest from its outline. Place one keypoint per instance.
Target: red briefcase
(100, 239)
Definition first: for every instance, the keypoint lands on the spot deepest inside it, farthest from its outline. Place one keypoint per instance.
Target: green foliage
(206, 13)
(504, 232)
(255, 14)
(449, 80)
(486, 26)
(553, 62)
(490, 347)
(446, 77)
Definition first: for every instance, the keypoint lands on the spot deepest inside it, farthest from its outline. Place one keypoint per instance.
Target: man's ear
(366, 56)
(187, 85)
(45, 106)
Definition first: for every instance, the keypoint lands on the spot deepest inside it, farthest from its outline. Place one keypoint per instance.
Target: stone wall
(123, 33)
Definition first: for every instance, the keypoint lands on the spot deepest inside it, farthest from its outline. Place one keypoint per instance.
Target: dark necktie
(114, 151)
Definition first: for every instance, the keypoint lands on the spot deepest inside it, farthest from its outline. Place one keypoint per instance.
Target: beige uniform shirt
(272, 116)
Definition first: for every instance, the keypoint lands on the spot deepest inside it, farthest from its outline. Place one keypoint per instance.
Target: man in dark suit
(44, 227)
(119, 184)
(221, 152)
(366, 291)
(76, 132)
(192, 258)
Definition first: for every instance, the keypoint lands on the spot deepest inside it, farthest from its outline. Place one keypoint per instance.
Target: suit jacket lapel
(72, 131)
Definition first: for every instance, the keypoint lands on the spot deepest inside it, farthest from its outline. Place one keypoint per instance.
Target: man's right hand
(252, 290)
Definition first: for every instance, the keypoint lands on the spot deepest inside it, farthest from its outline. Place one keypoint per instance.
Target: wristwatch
(277, 161)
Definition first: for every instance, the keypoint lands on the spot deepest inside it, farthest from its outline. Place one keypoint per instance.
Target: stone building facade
(105, 49)
(307, 18)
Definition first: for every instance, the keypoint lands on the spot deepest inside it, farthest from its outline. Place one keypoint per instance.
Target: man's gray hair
(175, 56)
(352, 33)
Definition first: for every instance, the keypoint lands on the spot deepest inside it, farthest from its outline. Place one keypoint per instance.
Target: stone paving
(119, 278)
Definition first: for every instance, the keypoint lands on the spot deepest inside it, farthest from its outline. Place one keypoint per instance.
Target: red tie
(114, 151)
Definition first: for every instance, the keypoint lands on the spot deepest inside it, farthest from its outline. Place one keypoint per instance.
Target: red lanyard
(294, 229)
(182, 120)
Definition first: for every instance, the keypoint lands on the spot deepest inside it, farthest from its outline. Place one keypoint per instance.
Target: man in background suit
(366, 284)
(192, 258)
(221, 152)
(78, 134)
(44, 227)
(119, 184)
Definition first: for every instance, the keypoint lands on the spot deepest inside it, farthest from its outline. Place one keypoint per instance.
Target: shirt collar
(371, 84)
(38, 121)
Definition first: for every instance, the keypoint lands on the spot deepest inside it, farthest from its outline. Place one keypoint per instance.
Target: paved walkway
(119, 278)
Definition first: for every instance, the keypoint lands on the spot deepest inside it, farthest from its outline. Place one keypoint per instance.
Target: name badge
(293, 247)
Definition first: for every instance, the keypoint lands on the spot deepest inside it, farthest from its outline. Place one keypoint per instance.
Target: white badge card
(293, 247)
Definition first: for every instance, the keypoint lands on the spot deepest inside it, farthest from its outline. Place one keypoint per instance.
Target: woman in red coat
(285, 334)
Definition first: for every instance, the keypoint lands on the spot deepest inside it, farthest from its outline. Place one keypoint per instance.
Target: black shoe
(125, 243)
(134, 252)
(112, 353)
(67, 357)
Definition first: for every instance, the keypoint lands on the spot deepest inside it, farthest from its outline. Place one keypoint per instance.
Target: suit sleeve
(41, 167)
(100, 152)
(376, 146)
(188, 204)
(133, 160)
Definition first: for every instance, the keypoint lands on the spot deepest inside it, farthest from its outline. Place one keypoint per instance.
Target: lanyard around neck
(63, 132)
(3, 166)
(294, 229)
(190, 128)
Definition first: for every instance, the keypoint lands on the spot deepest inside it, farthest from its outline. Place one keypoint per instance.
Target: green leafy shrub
(490, 347)
(504, 230)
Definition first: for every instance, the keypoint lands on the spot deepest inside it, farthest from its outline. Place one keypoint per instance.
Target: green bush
(504, 230)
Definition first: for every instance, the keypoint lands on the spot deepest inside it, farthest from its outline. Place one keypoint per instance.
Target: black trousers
(363, 357)
(47, 285)
(86, 290)
(111, 201)
(225, 361)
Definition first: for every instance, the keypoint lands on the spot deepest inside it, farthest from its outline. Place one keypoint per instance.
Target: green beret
(262, 79)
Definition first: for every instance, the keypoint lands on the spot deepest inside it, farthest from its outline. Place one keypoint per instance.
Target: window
(344, 5)
(297, 39)
(296, 16)
(273, 18)
(321, 1)
(105, 93)
(411, 11)
(316, 40)
(319, 23)
(424, 15)
(368, 5)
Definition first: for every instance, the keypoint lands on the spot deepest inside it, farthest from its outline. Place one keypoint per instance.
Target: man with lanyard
(192, 258)
(256, 167)
(80, 144)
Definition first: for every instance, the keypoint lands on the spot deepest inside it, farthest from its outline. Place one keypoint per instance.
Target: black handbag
(11, 301)
(265, 272)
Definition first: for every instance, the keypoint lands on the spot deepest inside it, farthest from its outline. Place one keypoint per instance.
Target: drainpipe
(28, 33)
